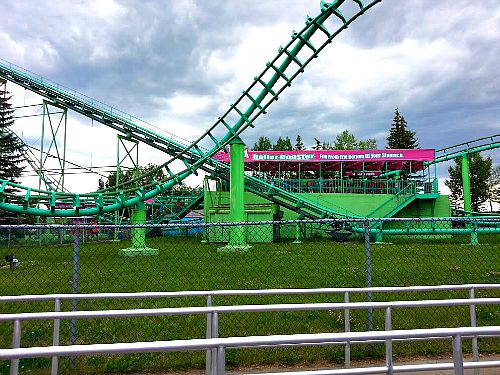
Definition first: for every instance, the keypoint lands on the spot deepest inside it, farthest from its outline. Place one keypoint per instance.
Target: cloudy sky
(178, 64)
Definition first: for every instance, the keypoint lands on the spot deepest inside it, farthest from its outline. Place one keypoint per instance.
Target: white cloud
(104, 8)
(188, 104)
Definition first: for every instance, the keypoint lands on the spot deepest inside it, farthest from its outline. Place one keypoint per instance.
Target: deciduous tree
(480, 171)
(494, 186)
(263, 144)
(368, 144)
(283, 144)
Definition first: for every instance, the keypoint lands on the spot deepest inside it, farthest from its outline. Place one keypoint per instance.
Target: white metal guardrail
(250, 292)
(213, 312)
(220, 345)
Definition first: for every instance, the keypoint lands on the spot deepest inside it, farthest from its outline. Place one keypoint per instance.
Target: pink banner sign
(307, 156)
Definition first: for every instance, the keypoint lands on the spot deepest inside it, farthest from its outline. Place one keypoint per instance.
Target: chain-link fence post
(368, 272)
(74, 290)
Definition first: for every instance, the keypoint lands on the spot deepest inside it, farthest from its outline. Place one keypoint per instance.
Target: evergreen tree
(480, 170)
(318, 145)
(298, 143)
(283, 144)
(399, 136)
(263, 144)
(11, 157)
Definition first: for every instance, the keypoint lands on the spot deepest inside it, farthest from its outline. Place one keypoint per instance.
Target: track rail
(459, 150)
(262, 92)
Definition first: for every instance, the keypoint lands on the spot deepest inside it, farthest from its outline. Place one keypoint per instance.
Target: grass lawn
(184, 263)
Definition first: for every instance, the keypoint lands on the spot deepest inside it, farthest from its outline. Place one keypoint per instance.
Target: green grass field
(186, 264)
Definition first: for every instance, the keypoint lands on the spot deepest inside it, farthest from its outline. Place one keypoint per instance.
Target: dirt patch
(324, 365)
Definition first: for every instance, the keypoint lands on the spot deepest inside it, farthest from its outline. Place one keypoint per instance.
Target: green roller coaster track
(459, 150)
(261, 93)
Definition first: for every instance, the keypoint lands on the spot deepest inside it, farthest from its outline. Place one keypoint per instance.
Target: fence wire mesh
(48, 259)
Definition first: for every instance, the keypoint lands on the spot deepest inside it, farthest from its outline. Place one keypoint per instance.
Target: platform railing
(213, 312)
(356, 186)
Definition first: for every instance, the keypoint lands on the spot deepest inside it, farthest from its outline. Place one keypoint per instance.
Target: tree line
(400, 137)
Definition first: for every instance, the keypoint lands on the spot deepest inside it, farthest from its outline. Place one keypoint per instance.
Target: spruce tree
(400, 136)
(318, 145)
(11, 157)
(299, 145)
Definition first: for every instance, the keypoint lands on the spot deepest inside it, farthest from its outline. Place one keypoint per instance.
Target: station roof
(334, 160)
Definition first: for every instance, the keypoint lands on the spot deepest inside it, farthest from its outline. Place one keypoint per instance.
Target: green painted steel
(458, 151)
(165, 217)
(466, 184)
(194, 156)
(433, 231)
(138, 235)
(360, 205)
(237, 202)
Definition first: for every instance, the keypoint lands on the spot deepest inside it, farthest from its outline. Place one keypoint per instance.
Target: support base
(139, 251)
(234, 249)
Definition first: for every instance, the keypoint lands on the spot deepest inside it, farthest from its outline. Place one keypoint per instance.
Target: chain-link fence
(299, 254)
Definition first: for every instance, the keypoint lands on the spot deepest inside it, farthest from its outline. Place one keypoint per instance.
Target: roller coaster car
(339, 232)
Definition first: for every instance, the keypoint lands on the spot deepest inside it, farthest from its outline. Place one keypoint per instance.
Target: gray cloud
(436, 61)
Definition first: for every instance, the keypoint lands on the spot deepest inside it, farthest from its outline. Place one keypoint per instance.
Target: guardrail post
(458, 359)
(215, 334)
(347, 325)
(473, 323)
(221, 360)
(55, 338)
(388, 343)
(74, 287)
(16, 343)
(208, 355)
(368, 273)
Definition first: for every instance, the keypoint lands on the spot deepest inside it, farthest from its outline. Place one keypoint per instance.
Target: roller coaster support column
(237, 235)
(138, 235)
(466, 194)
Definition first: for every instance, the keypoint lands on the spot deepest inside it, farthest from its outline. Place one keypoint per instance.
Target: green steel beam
(126, 124)
(440, 231)
(467, 150)
(466, 184)
(237, 239)
(464, 152)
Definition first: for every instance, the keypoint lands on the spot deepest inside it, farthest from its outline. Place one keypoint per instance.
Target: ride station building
(353, 183)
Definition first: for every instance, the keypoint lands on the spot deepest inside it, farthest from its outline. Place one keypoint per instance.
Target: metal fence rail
(82, 268)
(213, 317)
(220, 345)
